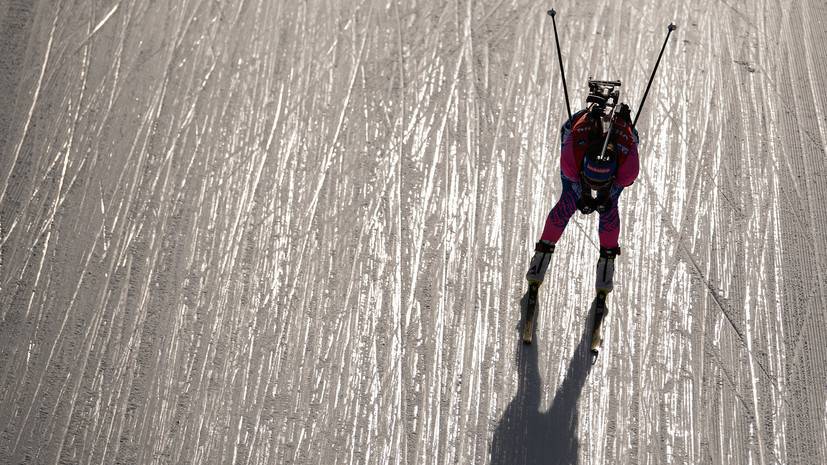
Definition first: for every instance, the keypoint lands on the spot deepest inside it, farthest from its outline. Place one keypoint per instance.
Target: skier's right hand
(584, 205)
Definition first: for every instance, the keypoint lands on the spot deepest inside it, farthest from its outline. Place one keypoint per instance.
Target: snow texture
(262, 232)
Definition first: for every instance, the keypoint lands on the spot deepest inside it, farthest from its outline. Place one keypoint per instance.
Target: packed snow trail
(296, 232)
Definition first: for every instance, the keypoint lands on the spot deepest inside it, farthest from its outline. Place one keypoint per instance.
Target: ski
(531, 312)
(600, 312)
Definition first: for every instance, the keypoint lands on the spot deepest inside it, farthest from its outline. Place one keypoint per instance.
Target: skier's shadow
(527, 436)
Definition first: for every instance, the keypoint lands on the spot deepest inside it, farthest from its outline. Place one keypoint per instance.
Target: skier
(591, 182)
(598, 159)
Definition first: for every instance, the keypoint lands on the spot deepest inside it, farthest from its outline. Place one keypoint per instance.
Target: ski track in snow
(295, 232)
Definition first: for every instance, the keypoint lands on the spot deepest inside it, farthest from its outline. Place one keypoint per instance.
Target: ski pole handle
(669, 28)
(552, 13)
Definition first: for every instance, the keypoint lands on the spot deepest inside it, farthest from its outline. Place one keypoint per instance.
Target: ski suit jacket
(575, 142)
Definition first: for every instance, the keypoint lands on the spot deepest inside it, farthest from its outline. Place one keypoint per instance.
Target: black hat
(598, 172)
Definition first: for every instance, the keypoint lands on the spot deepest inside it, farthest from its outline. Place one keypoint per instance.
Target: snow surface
(262, 232)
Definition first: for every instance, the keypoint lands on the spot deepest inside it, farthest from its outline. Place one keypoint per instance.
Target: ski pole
(608, 133)
(560, 58)
(671, 28)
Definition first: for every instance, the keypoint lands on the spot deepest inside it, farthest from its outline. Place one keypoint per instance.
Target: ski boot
(539, 263)
(603, 285)
(535, 275)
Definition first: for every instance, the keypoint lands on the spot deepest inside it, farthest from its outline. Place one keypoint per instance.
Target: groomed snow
(278, 232)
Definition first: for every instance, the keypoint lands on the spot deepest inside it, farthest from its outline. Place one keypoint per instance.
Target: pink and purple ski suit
(578, 135)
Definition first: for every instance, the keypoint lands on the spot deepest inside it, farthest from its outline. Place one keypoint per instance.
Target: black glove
(595, 112)
(624, 113)
(585, 205)
(603, 202)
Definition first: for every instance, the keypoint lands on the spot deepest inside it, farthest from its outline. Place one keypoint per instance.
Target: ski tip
(594, 356)
(527, 335)
(528, 331)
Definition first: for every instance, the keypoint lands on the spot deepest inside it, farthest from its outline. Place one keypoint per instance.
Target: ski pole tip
(671, 27)
(551, 12)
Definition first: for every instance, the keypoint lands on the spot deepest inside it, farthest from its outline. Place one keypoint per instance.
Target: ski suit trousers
(609, 225)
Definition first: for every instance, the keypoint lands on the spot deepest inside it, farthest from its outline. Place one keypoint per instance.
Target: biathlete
(593, 179)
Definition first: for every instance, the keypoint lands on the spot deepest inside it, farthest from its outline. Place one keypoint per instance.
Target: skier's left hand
(625, 114)
(603, 202)
(607, 198)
